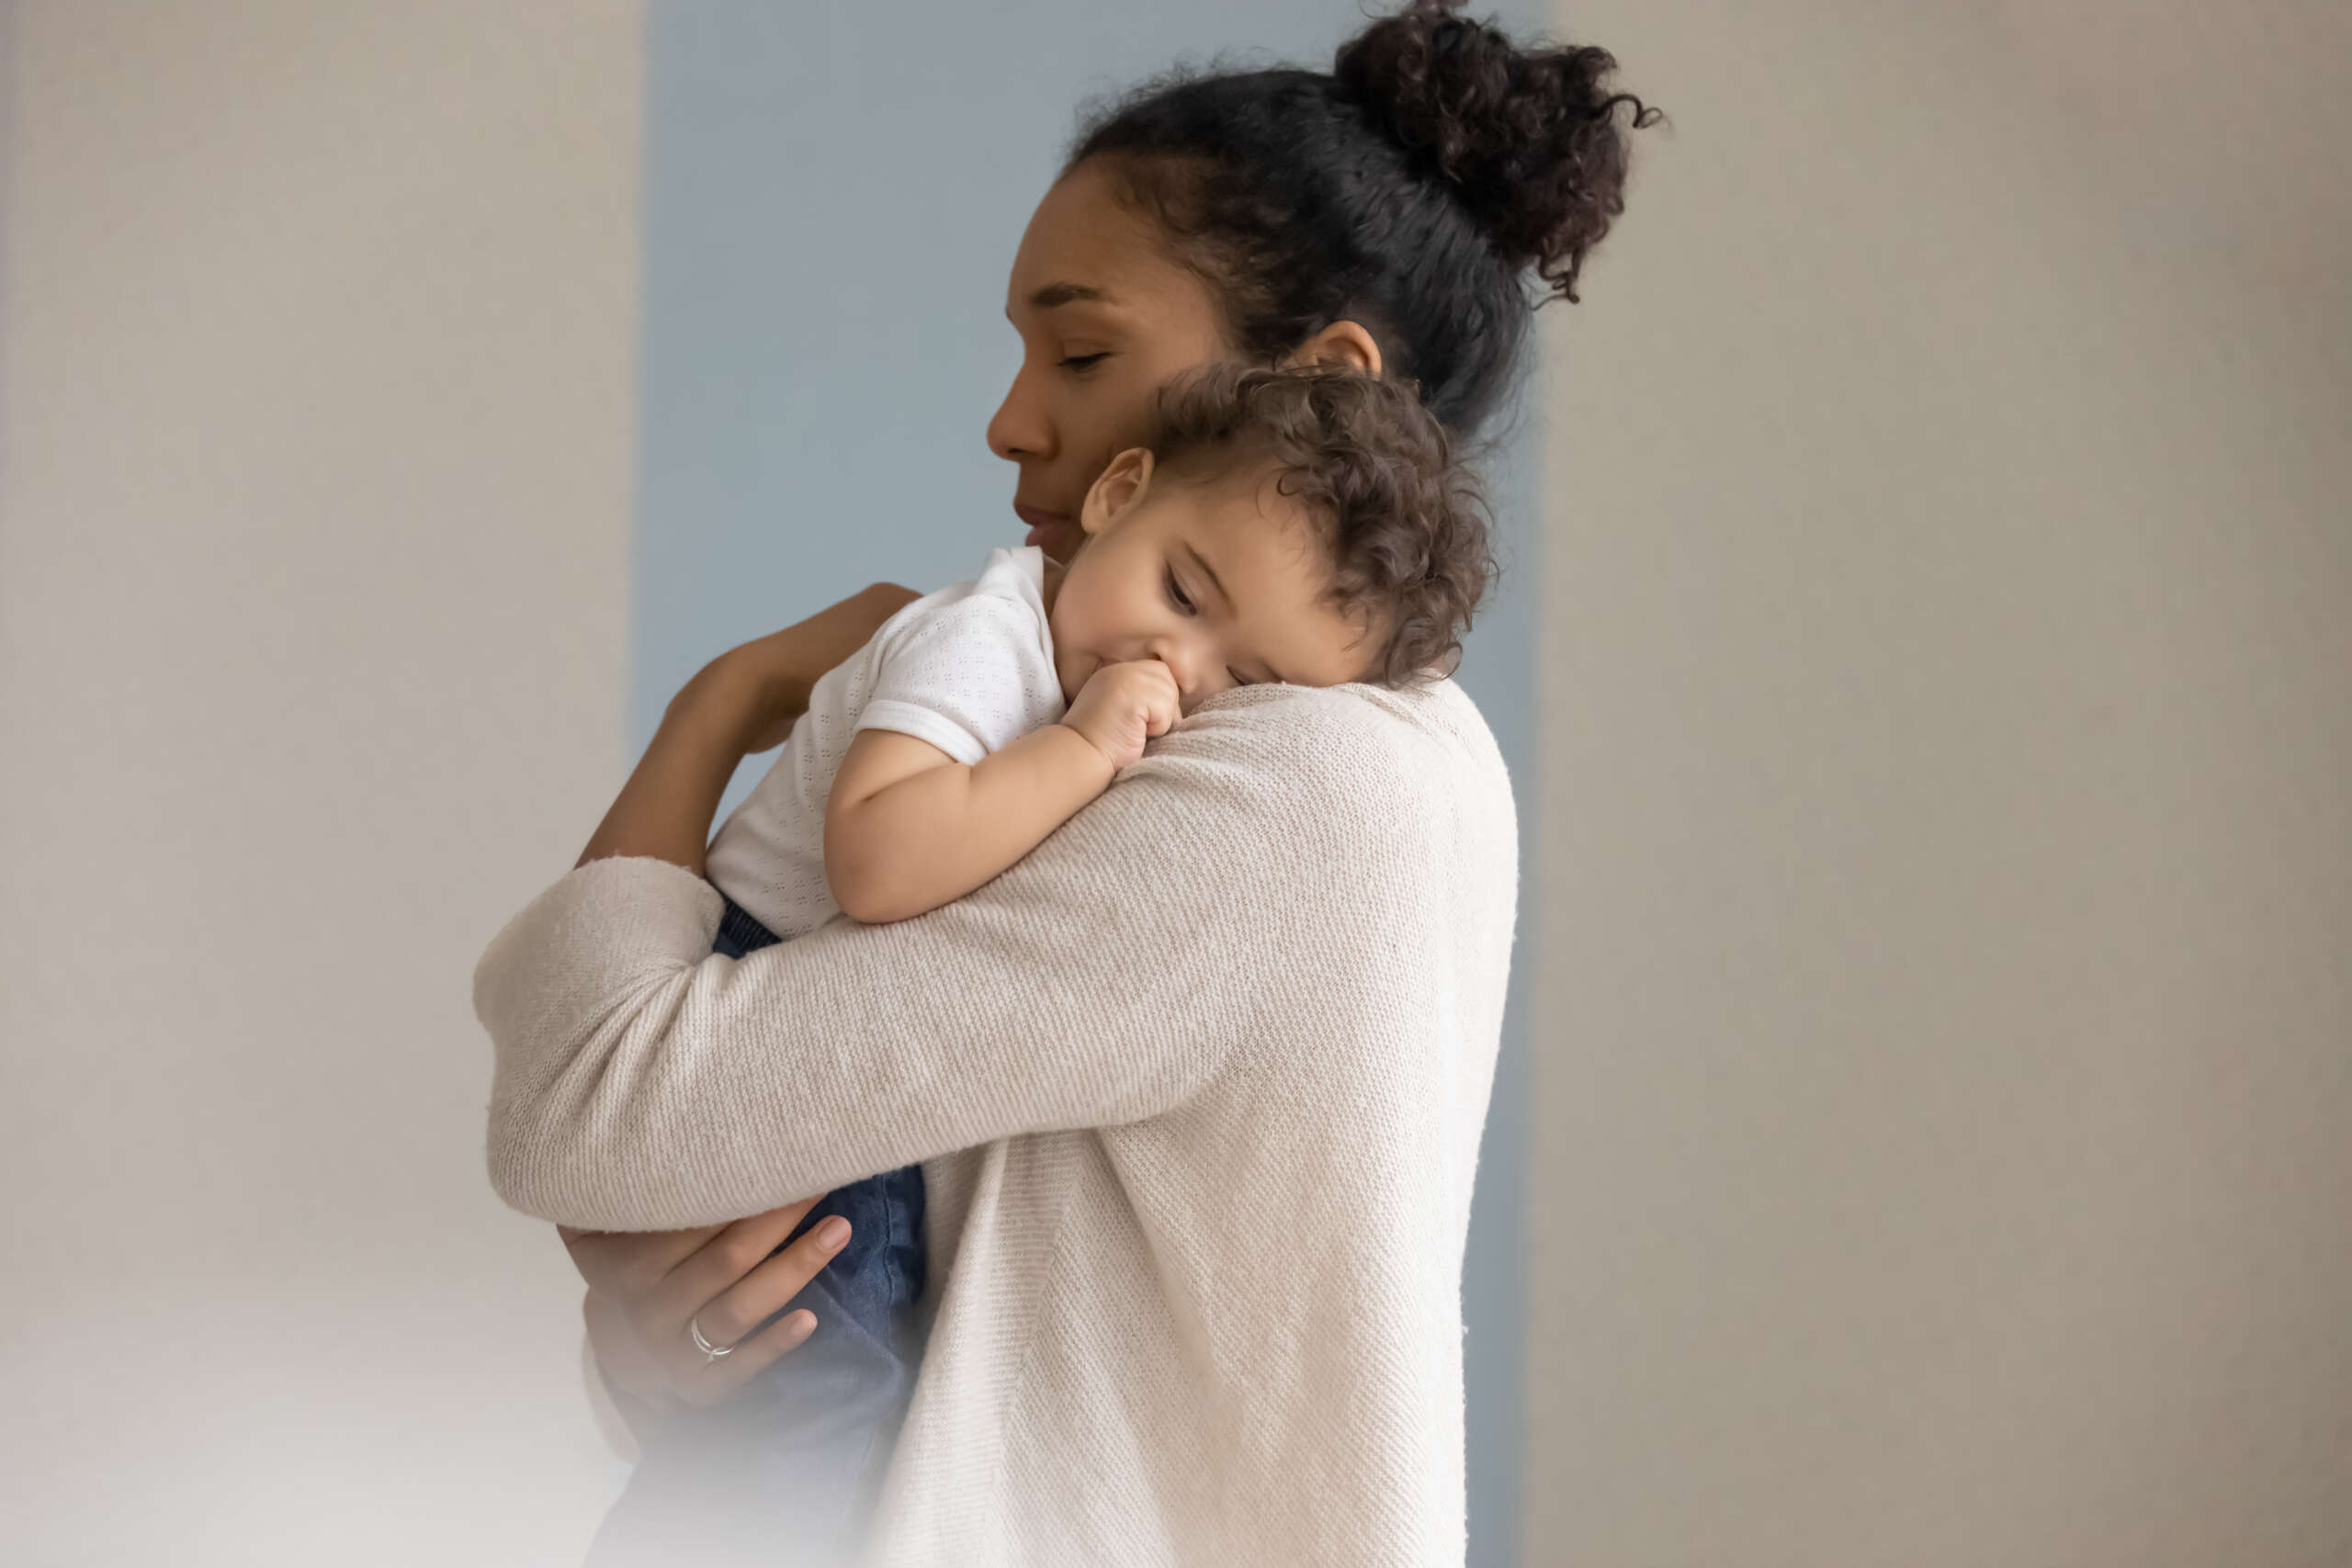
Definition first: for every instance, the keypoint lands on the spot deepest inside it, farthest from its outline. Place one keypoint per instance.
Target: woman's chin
(1059, 540)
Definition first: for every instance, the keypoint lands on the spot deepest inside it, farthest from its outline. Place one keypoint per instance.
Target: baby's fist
(1122, 706)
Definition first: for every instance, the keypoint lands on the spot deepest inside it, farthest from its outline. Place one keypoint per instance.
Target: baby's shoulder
(1008, 593)
(977, 614)
(1014, 577)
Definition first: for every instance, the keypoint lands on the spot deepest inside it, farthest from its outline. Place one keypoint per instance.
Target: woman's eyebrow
(1053, 294)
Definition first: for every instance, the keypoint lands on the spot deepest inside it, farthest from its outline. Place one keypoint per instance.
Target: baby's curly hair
(1402, 522)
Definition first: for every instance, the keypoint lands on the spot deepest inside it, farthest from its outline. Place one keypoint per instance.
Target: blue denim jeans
(785, 1471)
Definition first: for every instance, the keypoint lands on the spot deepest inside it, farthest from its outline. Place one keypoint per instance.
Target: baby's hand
(1122, 706)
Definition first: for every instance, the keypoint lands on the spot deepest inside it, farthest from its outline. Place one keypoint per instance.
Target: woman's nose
(1019, 428)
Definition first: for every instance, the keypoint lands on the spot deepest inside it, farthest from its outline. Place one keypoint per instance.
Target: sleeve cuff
(623, 909)
(657, 891)
(906, 718)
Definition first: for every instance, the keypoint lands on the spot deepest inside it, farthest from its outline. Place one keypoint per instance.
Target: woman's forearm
(642, 1083)
(744, 701)
(665, 811)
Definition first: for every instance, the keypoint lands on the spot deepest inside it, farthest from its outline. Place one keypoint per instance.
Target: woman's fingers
(726, 1289)
(729, 1254)
(650, 1290)
(633, 1265)
(734, 1316)
(719, 1379)
(743, 1305)
(628, 1264)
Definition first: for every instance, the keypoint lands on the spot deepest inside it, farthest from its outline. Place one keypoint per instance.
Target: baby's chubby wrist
(1123, 705)
(1100, 760)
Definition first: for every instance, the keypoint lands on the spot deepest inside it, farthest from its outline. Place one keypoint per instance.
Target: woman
(1195, 1239)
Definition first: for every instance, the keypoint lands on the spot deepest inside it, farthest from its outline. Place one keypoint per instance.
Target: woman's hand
(649, 1290)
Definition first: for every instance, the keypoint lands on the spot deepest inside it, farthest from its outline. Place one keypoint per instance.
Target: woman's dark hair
(1407, 191)
(1402, 525)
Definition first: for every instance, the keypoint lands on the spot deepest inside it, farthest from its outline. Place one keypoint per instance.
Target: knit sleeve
(642, 1082)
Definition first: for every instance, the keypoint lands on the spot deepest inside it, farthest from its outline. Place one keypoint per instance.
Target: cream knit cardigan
(1197, 1086)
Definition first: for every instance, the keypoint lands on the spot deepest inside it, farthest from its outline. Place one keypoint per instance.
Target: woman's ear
(1341, 344)
(1117, 490)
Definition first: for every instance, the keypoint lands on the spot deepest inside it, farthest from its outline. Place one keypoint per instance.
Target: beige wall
(1943, 1064)
(315, 415)
(1944, 1043)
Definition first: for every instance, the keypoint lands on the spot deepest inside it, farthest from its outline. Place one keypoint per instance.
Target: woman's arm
(744, 701)
(642, 1083)
(645, 1287)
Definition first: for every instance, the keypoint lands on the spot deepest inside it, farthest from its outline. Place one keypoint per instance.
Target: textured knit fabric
(1198, 1085)
(969, 668)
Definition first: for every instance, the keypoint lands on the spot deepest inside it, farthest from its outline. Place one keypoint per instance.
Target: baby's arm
(908, 828)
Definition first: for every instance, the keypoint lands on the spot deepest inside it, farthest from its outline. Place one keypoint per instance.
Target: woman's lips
(1044, 527)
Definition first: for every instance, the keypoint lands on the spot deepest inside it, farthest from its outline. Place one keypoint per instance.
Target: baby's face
(1221, 579)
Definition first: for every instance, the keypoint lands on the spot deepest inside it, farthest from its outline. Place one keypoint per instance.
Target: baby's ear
(1123, 483)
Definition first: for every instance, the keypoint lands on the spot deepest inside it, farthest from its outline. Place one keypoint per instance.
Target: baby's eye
(1176, 592)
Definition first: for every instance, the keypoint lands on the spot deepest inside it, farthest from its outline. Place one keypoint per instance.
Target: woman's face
(1105, 318)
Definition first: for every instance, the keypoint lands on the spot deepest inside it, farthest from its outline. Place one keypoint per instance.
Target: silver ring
(710, 1353)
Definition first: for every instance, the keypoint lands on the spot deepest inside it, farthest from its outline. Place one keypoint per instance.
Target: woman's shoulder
(1360, 749)
(1433, 722)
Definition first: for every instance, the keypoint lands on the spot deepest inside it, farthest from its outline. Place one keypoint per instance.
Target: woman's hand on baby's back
(649, 1291)
(1122, 706)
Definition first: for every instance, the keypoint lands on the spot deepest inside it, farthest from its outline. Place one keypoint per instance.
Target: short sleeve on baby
(971, 674)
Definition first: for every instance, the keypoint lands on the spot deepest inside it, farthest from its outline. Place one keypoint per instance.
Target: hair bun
(1527, 138)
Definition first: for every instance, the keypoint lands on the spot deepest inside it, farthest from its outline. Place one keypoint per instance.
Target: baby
(1303, 526)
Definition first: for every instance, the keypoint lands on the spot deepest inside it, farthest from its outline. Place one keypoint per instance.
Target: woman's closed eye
(1083, 362)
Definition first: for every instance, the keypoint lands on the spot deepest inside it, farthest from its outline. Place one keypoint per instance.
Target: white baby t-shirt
(969, 668)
